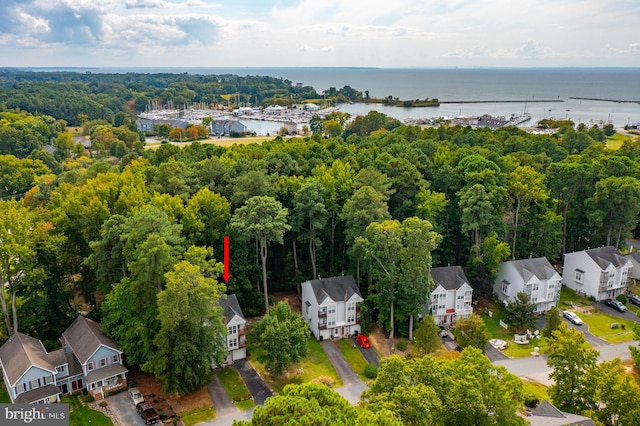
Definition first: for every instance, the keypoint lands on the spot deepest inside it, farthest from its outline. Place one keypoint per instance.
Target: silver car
(572, 317)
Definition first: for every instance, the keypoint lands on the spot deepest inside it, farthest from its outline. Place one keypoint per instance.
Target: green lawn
(81, 415)
(198, 415)
(568, 296)
(536, 389)
(4, 395)
(353, 356)
(600, 324)
(615, 142)
(235, 388)
(498, 332)
(316, 366)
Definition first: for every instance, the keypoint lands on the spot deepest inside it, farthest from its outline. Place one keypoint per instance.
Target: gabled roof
(634, 255)
(607, 256)
(20, 353)
(449, 277)
(37, 394)
(61, 357)
(338, 289)
(529, 268)
(85, 338)
(230, 307)
(546, 414)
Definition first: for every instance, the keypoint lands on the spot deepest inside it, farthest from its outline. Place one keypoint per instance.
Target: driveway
(341, 365)
(219, 396)
(615, 313)
(369, 354)
(123, 410)
(593, 340)
(494, 354)
(255, 384)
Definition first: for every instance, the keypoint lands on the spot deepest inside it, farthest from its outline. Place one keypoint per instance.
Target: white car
(572, 317)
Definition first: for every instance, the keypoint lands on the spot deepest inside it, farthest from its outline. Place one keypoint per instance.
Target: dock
(505, 101)
(618, 101)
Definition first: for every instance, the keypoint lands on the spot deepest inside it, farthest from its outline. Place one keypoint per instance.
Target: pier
(505, 102)
(618, 101)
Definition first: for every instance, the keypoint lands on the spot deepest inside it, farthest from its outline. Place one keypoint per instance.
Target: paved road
(593, 340)
(255, 384)
(536, 368)
(221, 400)
(341, 365)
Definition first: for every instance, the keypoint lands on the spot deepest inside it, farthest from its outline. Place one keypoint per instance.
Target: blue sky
(284, 33)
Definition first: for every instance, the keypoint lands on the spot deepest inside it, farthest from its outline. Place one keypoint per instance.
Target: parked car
(572, 317)
(136, 396)
(634, 300)
(616, 304)
(363, 341)
(148, 413)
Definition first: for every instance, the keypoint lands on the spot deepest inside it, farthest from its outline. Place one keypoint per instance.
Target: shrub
(324, 380)
(622, 298)
(371, 371)
(103, 404)
(592, 299)
(88, 398)
(402, 344)
(531, 401)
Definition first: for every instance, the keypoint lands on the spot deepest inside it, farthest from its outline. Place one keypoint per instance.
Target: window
(351, 318)
(332, 309)
(505, 287)
(48, 379)
(114, 359)
(536, 286)
(233, 343)
(579, 276)
(59, 369)
(331, 321)
(233, 329)
(90, 366)
(103, 362)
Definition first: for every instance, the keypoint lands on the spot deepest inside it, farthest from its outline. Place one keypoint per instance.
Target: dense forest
(115, 229)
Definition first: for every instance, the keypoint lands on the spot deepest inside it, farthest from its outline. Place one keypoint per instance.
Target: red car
(363, 341)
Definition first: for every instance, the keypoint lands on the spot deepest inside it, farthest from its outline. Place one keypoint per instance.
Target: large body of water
(526, 86)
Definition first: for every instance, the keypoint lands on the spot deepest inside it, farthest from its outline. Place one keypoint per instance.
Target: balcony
(242, 332)
(322, 314)
(322, 326)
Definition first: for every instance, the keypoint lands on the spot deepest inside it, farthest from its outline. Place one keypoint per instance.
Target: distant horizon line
(323, 67)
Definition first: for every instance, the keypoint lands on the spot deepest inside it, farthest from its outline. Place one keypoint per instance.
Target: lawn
(600, 324)
(615, 142)
(197, 415)
(235, 388)
(569, 298)
(81, 415)
(315, 367)
(498, 332)
(353, 356)
(4, 395)
(535, 389)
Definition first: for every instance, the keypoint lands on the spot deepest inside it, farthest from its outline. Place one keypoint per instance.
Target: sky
(319, 33)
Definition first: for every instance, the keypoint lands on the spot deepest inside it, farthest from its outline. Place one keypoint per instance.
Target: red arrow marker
(226, 274)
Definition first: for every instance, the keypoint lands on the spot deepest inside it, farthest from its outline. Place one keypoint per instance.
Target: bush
(622, 298)
(531, 401)
(371, 371)
(402, 344)
(88, 398)
(324, 380)
(103, 404)
(592, 299)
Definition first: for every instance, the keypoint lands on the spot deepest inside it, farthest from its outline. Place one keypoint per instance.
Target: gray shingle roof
(338, 289)
(105, 373)
(230, 307)
(529, 268)
(546, 414)
(449, 277)
(20, 353)
(37, 394)
(635, 255)
(605, 256)
(85, 337)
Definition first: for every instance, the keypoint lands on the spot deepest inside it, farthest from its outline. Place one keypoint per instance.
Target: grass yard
(600, 324)
(569, 298)
(353, 356)
(315, 367)
(81, 415)
(197, 415)
(615, 142)
(4, 395)
(235, 388)
(535, 389)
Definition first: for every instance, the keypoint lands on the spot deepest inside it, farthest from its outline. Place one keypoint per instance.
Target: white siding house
(535, 277)
(236, 338)
(330, 307)
(634, 257)
(451, 296)
(601, 272)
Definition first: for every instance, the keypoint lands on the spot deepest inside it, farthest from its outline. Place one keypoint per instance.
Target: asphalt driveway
(255, 384)
(219, 396)
(369, 354)
(615, 313)
(341, 365)
(123, 410)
